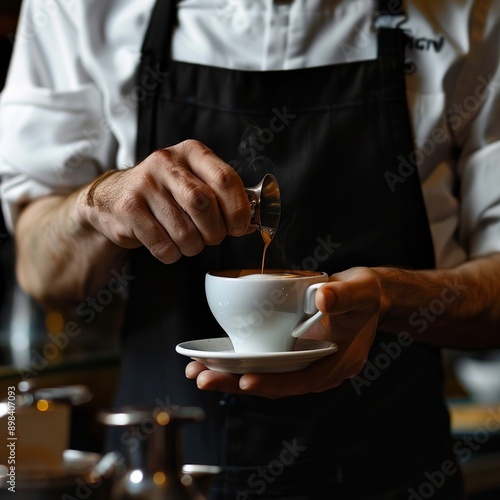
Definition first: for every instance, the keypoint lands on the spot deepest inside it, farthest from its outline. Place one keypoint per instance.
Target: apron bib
(329, 134)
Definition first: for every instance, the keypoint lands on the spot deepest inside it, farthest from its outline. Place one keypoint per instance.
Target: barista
(183, 211)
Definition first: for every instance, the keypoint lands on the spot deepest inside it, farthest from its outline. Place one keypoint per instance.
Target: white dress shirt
(68, 111)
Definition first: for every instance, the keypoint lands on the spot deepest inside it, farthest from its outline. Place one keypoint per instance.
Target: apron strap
(161, 27)
(155, 54)
(391, 48)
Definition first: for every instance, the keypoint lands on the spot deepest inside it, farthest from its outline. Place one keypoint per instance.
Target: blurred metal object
(75, 395)
(200, 478)
(77, 474)
(28, 394)
(265, 204)
(83, 475)
(36, 425)
(480, 376)
(152, 462)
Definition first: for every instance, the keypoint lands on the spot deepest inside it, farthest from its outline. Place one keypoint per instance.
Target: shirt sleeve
(475, 120)
(54, 135)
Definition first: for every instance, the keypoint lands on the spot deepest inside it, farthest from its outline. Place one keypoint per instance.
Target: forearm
(457, 308)
(174, 202)
(60, 258)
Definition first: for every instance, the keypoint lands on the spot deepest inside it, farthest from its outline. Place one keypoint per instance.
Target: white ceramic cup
(264, 312)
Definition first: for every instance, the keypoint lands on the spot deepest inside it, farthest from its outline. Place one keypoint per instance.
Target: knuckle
(193, 145)
(194, 150)
(130, 203)
(164, 161)
(144, 176)
(198, 197)
(226, 178)
(162, 156)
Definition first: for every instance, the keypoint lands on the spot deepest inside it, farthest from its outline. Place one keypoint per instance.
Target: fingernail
(202, 382)
(244, 384)
(329, 299)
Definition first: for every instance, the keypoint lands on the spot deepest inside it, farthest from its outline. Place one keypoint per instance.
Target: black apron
(330, 135)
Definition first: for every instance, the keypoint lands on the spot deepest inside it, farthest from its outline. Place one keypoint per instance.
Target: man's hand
(352, 301)
(460, 307)
(175, 202)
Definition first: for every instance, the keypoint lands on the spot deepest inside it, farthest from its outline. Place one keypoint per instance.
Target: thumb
(335, 297)
(358, 288)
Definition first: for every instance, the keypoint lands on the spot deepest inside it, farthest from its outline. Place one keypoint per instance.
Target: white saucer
(218, 355)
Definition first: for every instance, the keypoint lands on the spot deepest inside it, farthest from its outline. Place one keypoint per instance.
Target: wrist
(402, 292)
(86, 204)
(386, 277)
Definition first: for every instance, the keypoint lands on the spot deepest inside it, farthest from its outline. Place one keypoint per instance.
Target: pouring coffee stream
(265, 205)
(235, 298)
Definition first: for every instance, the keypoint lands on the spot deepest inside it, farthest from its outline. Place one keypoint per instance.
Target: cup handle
(309, 308)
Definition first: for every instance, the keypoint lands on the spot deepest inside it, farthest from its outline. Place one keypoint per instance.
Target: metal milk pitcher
(265, 204)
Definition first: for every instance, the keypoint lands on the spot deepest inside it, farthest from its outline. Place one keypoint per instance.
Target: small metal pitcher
(265, 204)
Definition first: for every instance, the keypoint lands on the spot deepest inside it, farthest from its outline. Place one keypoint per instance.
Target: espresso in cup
(264, 312)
